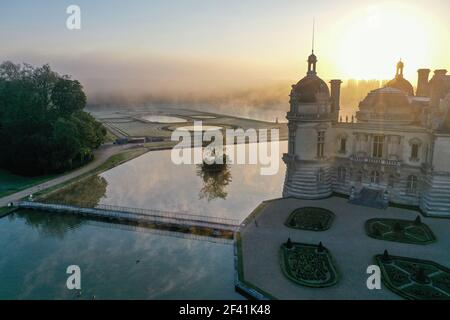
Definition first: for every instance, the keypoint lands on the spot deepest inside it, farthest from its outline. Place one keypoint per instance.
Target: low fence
(136, 214)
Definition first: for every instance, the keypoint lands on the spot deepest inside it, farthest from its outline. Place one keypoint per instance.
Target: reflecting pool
(115, 263)
(163, 119)
(120, 262)
(153, 181)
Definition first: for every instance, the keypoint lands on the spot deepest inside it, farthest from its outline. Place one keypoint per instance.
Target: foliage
(415, 279)
(414, 232)
(310, 218)
(87, 192)
(308, 265)
(216, 177)
(43, 128)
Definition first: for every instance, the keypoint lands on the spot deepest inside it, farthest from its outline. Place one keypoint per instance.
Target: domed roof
(401, 83)
(388, 96)
(308, 88)
(386, 104)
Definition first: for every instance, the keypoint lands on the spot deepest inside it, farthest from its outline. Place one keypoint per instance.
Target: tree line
(43, 128)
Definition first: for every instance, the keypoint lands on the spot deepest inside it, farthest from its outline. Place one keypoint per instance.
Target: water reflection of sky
(153, 181)
(33, 263)
(164, 119)
(38, 247)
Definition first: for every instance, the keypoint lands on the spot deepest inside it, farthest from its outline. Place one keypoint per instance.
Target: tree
(43, 128)
(68, 96)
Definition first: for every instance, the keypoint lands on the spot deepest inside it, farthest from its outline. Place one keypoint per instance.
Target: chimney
(423, 89)
(335, 96)
(437, 87)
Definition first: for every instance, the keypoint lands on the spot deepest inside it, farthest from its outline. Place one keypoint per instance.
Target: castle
(396, 149)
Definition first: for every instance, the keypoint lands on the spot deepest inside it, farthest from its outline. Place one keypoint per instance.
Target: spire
(313, 33)
(312, 59)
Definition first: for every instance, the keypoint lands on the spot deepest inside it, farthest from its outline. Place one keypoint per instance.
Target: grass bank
(4, 211)
(110, 163)
(11, 183)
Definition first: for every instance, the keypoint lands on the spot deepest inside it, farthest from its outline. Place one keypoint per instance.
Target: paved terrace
(351, 248)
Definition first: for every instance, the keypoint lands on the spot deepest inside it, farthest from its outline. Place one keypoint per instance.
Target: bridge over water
(166, 220)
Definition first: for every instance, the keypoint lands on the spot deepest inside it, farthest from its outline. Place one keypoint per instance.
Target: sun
(375, 38)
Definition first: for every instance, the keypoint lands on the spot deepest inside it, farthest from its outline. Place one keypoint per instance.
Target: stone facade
(398, 143)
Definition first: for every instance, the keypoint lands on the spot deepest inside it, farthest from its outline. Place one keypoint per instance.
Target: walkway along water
(180, 222)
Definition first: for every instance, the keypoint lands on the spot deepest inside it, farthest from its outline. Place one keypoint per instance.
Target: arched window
(320, 144)
(414, 152)
(411, 184)
(342, 172)
(416, 145)
(375, 177)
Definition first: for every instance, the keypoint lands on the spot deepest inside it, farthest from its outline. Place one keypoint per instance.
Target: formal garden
(310, 218)
(308, 265)
(313, 266)
(413, 278)
(406, 231)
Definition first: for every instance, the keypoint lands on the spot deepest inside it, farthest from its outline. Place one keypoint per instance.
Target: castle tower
(312, 111)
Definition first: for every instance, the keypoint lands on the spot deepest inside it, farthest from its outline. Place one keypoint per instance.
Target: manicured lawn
(414, 232)
(415, 279)
(11, 183)
(120, 158)
(310, 218)
(308, 265)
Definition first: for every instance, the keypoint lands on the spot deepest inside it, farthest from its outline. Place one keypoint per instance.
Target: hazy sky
(195, 44)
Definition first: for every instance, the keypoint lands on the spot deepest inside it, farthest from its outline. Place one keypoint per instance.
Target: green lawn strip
(240, 267)
(397, 230)
(11, 183)
(414, 279)
(111, 162)
(309, 251)
(310, 218)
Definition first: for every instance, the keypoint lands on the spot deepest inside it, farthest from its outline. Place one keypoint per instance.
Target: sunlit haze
(197, 46)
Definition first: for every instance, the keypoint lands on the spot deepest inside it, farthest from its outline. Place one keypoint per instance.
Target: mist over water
(233, 88)
(268, 102)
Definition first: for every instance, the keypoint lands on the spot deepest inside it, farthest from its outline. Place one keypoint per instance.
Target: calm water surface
(153, 181)
(124, 264)
(164, 119)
